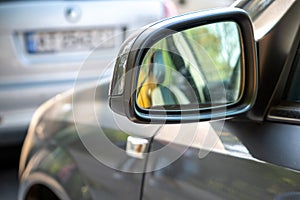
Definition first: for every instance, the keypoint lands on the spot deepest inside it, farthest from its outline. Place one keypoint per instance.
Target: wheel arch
(40, 180)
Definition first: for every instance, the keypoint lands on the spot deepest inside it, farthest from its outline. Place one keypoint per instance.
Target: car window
(294, 90)
(289, 108)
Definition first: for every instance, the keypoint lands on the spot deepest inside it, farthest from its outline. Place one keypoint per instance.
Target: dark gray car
(168, 131)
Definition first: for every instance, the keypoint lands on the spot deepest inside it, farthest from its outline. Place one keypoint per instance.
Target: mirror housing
(125, 83)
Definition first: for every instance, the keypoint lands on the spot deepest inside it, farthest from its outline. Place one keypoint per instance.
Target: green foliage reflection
(197, 66)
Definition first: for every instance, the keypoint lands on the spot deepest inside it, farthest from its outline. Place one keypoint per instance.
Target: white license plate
(66, 41)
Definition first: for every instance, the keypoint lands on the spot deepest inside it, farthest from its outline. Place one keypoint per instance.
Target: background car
(45, 43)
(78, 147)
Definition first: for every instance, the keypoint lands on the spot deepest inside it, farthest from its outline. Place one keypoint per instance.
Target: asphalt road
(9, 172)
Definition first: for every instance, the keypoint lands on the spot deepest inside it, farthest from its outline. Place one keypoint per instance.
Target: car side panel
(227, 175)
(67, 147)
(65, 158)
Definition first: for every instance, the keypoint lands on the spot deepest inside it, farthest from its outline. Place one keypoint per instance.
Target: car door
(239, 158)
(217, 161)
(214, 167)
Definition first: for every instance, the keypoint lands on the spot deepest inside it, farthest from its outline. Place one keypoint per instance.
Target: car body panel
(78, 172)
(59, 149)
(219, 176)
(229, 171)
(277, 37)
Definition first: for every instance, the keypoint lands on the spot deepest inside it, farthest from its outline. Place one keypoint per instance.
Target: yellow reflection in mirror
(198, 66)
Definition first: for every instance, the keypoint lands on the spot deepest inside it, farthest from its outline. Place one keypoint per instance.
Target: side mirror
(195, 67)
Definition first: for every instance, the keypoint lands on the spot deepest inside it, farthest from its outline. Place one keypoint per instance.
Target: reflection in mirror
(194, 67)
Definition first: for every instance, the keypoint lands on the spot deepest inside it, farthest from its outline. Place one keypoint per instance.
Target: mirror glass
(198, 67)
